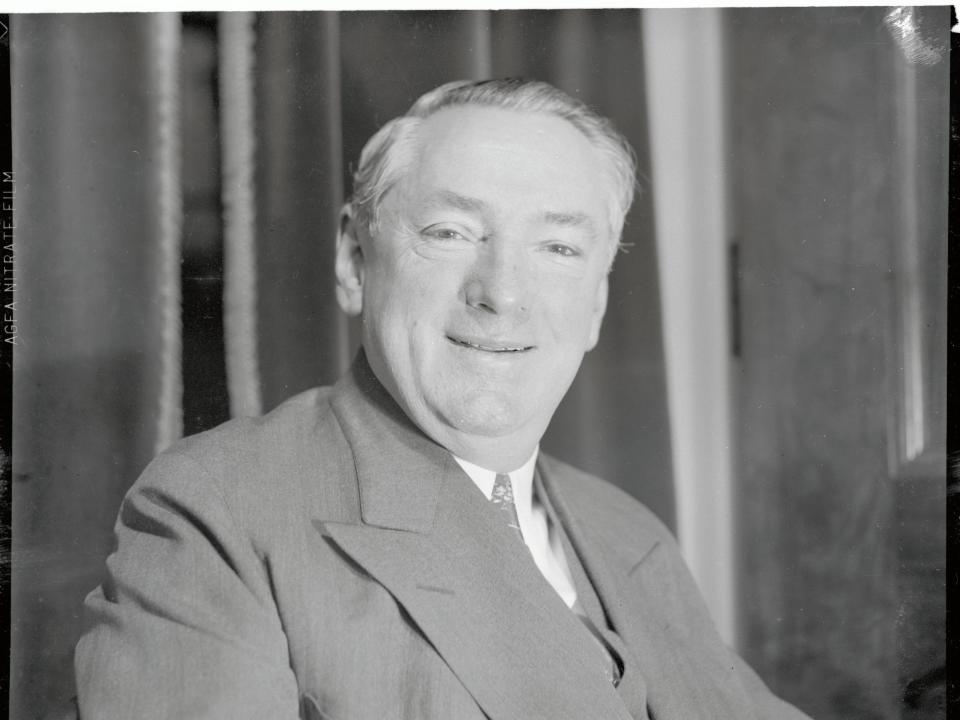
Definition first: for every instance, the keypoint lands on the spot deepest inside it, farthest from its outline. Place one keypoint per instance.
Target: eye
(444, 232)
(563, 250)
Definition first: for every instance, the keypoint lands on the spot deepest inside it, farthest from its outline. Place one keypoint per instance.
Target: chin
(487, 416)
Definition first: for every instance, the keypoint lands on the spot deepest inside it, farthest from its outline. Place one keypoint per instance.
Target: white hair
(388, 153)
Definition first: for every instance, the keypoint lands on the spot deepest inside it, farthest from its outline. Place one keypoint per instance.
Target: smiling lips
(490, 346)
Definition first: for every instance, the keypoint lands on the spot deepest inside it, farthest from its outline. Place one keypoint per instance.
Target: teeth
(487, 348)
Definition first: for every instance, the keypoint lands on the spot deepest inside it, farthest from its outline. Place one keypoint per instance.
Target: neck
(497, 454)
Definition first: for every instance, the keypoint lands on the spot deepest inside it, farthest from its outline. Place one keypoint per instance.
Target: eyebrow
(577, 219)
(460, 202)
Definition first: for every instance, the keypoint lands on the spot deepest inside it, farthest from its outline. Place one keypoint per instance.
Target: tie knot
(502, 490)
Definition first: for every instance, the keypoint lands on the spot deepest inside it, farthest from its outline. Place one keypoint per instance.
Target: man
(396, 546)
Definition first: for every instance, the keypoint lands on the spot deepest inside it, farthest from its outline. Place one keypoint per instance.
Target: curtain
(179, 179)
(88, 369)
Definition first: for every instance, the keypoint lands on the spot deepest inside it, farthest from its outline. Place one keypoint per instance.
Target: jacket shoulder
(258, 439)
(291, 460)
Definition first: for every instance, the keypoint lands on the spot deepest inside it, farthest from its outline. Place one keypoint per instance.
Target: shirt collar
(521, 479)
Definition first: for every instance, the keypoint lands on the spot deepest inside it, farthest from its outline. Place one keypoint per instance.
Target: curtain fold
(238, 155)
(165, 69)
(302, 334)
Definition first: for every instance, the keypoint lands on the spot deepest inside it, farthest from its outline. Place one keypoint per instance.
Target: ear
(599, 308)
(349, 263)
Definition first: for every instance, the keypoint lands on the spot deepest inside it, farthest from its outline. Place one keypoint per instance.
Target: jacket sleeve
(184, 626)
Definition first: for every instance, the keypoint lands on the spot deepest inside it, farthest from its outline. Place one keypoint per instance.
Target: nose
(499, 281)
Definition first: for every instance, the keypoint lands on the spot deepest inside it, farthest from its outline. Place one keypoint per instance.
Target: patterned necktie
(502, 498)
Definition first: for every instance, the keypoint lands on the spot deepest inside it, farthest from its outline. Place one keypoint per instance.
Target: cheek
(407, 277)
(406, 312)
(570, 313)
(391, 290)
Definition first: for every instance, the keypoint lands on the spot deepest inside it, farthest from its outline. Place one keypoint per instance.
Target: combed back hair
(390, 151)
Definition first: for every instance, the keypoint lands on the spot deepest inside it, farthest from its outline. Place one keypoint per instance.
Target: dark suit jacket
(330, 561)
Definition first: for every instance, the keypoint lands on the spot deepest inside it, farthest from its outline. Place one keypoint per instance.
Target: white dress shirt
(542, 539)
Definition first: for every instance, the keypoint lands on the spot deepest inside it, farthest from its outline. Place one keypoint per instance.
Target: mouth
(490, 346)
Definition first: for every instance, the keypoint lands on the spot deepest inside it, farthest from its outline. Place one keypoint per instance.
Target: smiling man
(396, 546)
(482, 278)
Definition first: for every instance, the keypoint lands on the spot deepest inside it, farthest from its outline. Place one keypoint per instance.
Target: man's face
(484, 282)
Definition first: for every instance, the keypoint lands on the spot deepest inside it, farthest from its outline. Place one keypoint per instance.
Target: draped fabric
(90, 367)
(179, 183)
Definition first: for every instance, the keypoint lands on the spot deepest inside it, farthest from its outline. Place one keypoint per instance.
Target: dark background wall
(839, 157)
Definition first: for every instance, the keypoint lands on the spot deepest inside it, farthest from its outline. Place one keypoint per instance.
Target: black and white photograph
(504, 364)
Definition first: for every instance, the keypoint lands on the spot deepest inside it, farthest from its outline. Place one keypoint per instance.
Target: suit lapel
(652, 606)
(434, 542)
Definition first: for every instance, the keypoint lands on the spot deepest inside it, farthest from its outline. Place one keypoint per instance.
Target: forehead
(508, 157)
